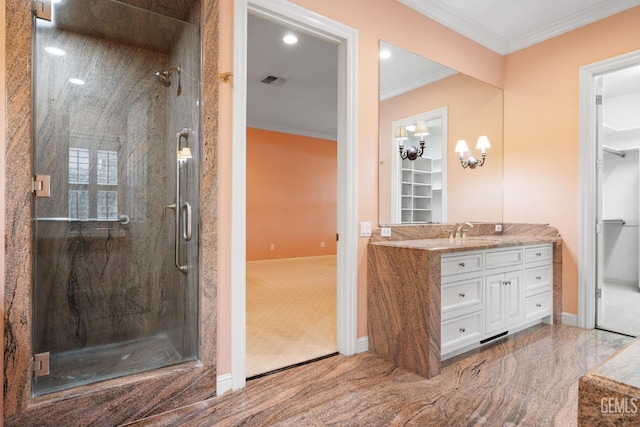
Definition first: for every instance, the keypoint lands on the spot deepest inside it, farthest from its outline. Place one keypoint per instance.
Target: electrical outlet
(322, 244)
(385, 232)
(498, 228)
(273, 247)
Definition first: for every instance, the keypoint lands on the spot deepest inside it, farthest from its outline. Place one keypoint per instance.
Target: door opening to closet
(291, 274)
(618, 180)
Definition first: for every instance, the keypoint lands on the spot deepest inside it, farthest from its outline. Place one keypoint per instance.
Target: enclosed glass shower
(116, 160)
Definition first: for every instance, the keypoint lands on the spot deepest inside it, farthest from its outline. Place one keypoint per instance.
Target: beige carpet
(291, 311)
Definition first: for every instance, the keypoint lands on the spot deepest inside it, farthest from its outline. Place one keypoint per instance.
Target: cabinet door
(514, 298)
(494, 308)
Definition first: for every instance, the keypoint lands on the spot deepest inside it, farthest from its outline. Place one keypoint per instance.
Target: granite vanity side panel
(403, 299)
(557, 282)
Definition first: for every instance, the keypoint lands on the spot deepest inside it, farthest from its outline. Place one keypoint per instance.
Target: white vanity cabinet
(493, 292)
(504, 305)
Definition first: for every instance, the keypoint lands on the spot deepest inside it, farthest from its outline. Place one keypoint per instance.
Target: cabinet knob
(538, 253)
(461, 264)
(538, 277)
(507, 282)
(539, 305)
(462, 330)
(462, 295)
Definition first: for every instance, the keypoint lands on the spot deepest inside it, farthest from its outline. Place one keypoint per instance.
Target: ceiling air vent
(273, 80)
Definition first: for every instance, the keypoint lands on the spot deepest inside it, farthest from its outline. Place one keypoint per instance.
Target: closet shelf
(615, 221)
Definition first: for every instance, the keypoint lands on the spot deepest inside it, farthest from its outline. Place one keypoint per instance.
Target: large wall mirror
(435, 188)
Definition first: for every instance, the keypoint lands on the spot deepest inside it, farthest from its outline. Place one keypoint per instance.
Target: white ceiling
(621, 93)
(404, 71)
(306, 104)
(506, 26)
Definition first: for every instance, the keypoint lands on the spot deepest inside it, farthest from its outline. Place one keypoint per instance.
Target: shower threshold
(89, 365)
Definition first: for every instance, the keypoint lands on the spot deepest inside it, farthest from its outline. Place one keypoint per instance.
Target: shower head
(163, 76)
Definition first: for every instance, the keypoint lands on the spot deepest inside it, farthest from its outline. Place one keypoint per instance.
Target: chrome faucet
(460, 232)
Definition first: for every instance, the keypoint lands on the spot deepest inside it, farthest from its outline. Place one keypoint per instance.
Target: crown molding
(584, 17)
(292, 131)
(449, 17)
(414, 84)
(439, 11)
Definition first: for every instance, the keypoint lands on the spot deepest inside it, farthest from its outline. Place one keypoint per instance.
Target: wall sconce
(185, 153)
(412, 153)
(472, 162)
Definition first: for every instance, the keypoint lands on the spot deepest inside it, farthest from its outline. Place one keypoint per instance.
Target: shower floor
(89, 365)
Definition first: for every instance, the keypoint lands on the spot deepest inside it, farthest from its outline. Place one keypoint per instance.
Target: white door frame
(346, 38)
(587, 220)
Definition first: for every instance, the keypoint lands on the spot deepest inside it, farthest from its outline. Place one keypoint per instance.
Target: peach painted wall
(542, 129)
(374, 19)
(474, 109)
(292, 187)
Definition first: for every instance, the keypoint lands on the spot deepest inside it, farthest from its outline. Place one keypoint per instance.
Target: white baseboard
(223, 384)
(362, 345)
(569, 319)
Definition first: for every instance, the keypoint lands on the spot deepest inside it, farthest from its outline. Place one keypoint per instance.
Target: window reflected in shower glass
(107, 166)
(78, 166)
(107, 205)
(78, 204)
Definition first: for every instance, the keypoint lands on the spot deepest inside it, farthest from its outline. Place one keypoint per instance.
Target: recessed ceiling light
(385, 54)
(76, 81)
(55, 51)
(290, 39)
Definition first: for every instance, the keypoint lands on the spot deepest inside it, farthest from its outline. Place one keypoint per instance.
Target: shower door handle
(182, 213)
(186, 221)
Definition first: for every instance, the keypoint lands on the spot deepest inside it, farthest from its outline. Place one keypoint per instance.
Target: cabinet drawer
(538, 253)
(457, 264)
(461, 331)
(462, 294)
(503, 258)
(537, 278)
(537, 306)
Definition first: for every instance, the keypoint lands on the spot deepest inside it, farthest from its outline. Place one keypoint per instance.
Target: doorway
(618, 133)
(608, 219)
(347, 172)
(292, 86)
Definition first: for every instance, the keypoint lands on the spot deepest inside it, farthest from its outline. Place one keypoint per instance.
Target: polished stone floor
(530, 379)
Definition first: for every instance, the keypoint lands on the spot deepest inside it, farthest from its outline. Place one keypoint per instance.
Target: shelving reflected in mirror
(434, 188)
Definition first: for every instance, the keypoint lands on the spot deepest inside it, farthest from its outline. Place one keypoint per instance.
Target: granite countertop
(470, 243)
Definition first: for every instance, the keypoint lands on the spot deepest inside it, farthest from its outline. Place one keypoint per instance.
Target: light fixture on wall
(472, 162)
(421, 131)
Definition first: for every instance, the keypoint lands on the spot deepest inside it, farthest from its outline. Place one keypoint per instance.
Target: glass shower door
(110, 102)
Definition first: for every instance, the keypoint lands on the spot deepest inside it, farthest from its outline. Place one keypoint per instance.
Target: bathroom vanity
(431, 298)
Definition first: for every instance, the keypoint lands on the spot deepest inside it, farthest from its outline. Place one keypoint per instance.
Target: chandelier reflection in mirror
(472, 162)
(420, 130)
